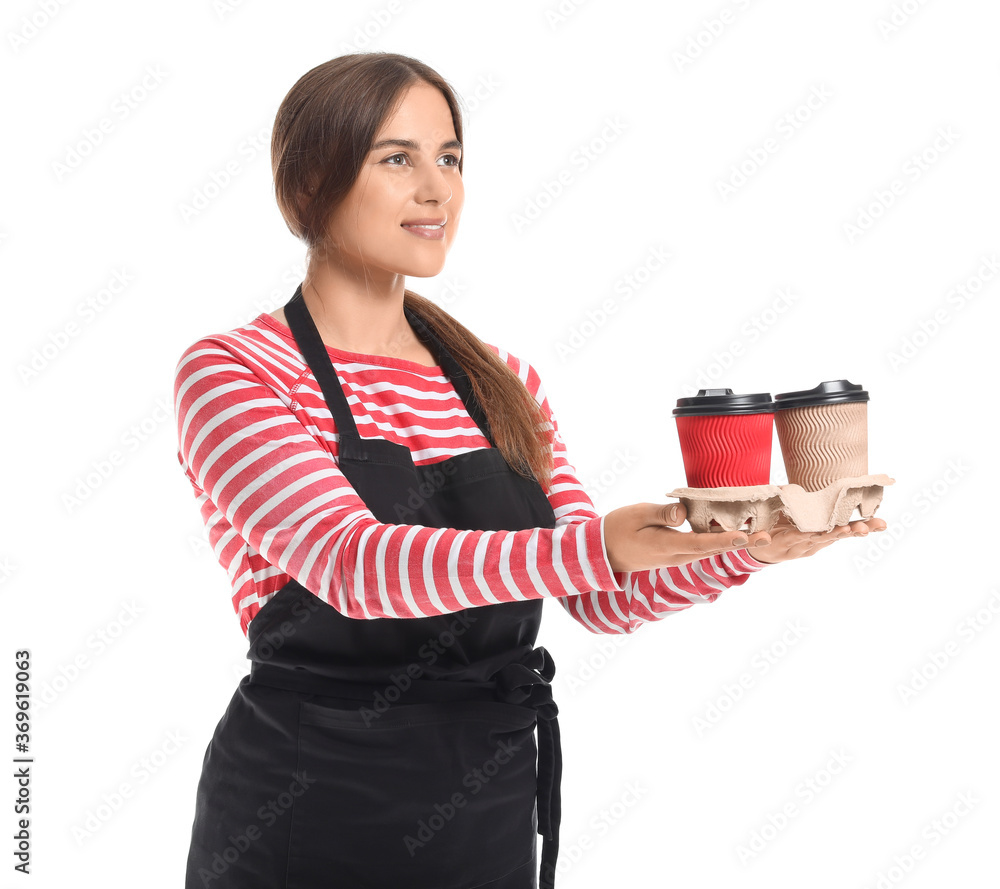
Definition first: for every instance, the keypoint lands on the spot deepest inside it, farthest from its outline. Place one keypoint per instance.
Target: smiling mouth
(426, 231)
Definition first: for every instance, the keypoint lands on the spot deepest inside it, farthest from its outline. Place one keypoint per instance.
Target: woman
(393, 502)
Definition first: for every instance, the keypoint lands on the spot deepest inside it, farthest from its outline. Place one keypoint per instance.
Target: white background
(81, 547)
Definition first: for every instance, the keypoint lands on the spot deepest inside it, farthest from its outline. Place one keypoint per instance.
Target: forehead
(422, 113)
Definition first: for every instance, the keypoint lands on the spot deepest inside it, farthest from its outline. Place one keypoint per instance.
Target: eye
(452, 160)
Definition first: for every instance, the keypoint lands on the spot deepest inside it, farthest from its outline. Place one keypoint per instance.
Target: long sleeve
(642, 596)
(639, 596)
(268, 487)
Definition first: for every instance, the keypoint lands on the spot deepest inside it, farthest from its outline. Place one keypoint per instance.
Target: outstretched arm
(266, 481)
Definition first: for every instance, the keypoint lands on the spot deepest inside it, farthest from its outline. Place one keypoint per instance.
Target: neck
(357, 311)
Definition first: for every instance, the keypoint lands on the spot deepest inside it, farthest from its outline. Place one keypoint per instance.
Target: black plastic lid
(829, 392)
(717, 402)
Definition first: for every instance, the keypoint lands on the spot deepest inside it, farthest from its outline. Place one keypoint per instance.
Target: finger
(659, 514)
(673, 514)
(824, 538)
(758, 538)
(801, 543)
(712, 542)
(876, 524)
(841, 532)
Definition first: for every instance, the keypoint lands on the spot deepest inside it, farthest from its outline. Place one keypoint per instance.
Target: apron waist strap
(418, 691)
(519, 683)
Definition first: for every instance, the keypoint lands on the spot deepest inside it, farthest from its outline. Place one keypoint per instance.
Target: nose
(432, 184)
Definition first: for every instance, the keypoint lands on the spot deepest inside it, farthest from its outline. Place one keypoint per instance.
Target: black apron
(390, 752)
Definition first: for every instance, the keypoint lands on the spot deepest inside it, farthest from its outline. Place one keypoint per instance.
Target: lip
(432, 234)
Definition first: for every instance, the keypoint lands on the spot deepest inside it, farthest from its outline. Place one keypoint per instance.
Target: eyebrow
(409, 143)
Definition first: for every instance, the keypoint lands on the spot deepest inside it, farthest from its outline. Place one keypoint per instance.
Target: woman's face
(400, 185)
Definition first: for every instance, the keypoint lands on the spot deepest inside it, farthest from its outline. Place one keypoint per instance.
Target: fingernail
(761, 543)
(740, 541)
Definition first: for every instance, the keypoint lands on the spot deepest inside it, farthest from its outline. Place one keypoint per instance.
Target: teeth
(422, 226)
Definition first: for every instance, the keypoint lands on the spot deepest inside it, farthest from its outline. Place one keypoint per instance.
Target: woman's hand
(787, 542)
(640, 537)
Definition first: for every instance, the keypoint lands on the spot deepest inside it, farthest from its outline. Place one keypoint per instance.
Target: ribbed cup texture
(725, 451)
(823, 443)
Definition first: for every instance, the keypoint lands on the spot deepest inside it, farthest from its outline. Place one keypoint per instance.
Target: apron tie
(518, 683)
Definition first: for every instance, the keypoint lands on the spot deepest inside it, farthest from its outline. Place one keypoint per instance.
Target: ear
(304, 197)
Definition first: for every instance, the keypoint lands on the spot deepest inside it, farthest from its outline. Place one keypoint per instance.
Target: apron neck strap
(314, 351)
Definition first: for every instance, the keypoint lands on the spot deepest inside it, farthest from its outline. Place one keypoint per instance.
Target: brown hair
(323, 132)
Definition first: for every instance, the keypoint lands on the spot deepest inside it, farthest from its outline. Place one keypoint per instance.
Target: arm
(636, 597)
(653, 595)
(280, 489)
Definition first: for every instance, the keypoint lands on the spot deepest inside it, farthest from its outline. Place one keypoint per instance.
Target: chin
(424, 269)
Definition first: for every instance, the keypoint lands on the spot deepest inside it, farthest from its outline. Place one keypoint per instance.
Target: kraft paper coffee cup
(823, 433)
(725, 438)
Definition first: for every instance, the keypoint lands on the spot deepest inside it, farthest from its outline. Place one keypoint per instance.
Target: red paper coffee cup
(725, 438)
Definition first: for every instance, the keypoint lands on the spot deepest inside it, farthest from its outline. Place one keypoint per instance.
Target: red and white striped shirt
(259, 446)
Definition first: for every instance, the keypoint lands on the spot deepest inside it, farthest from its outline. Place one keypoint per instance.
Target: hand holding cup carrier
(726, 445)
